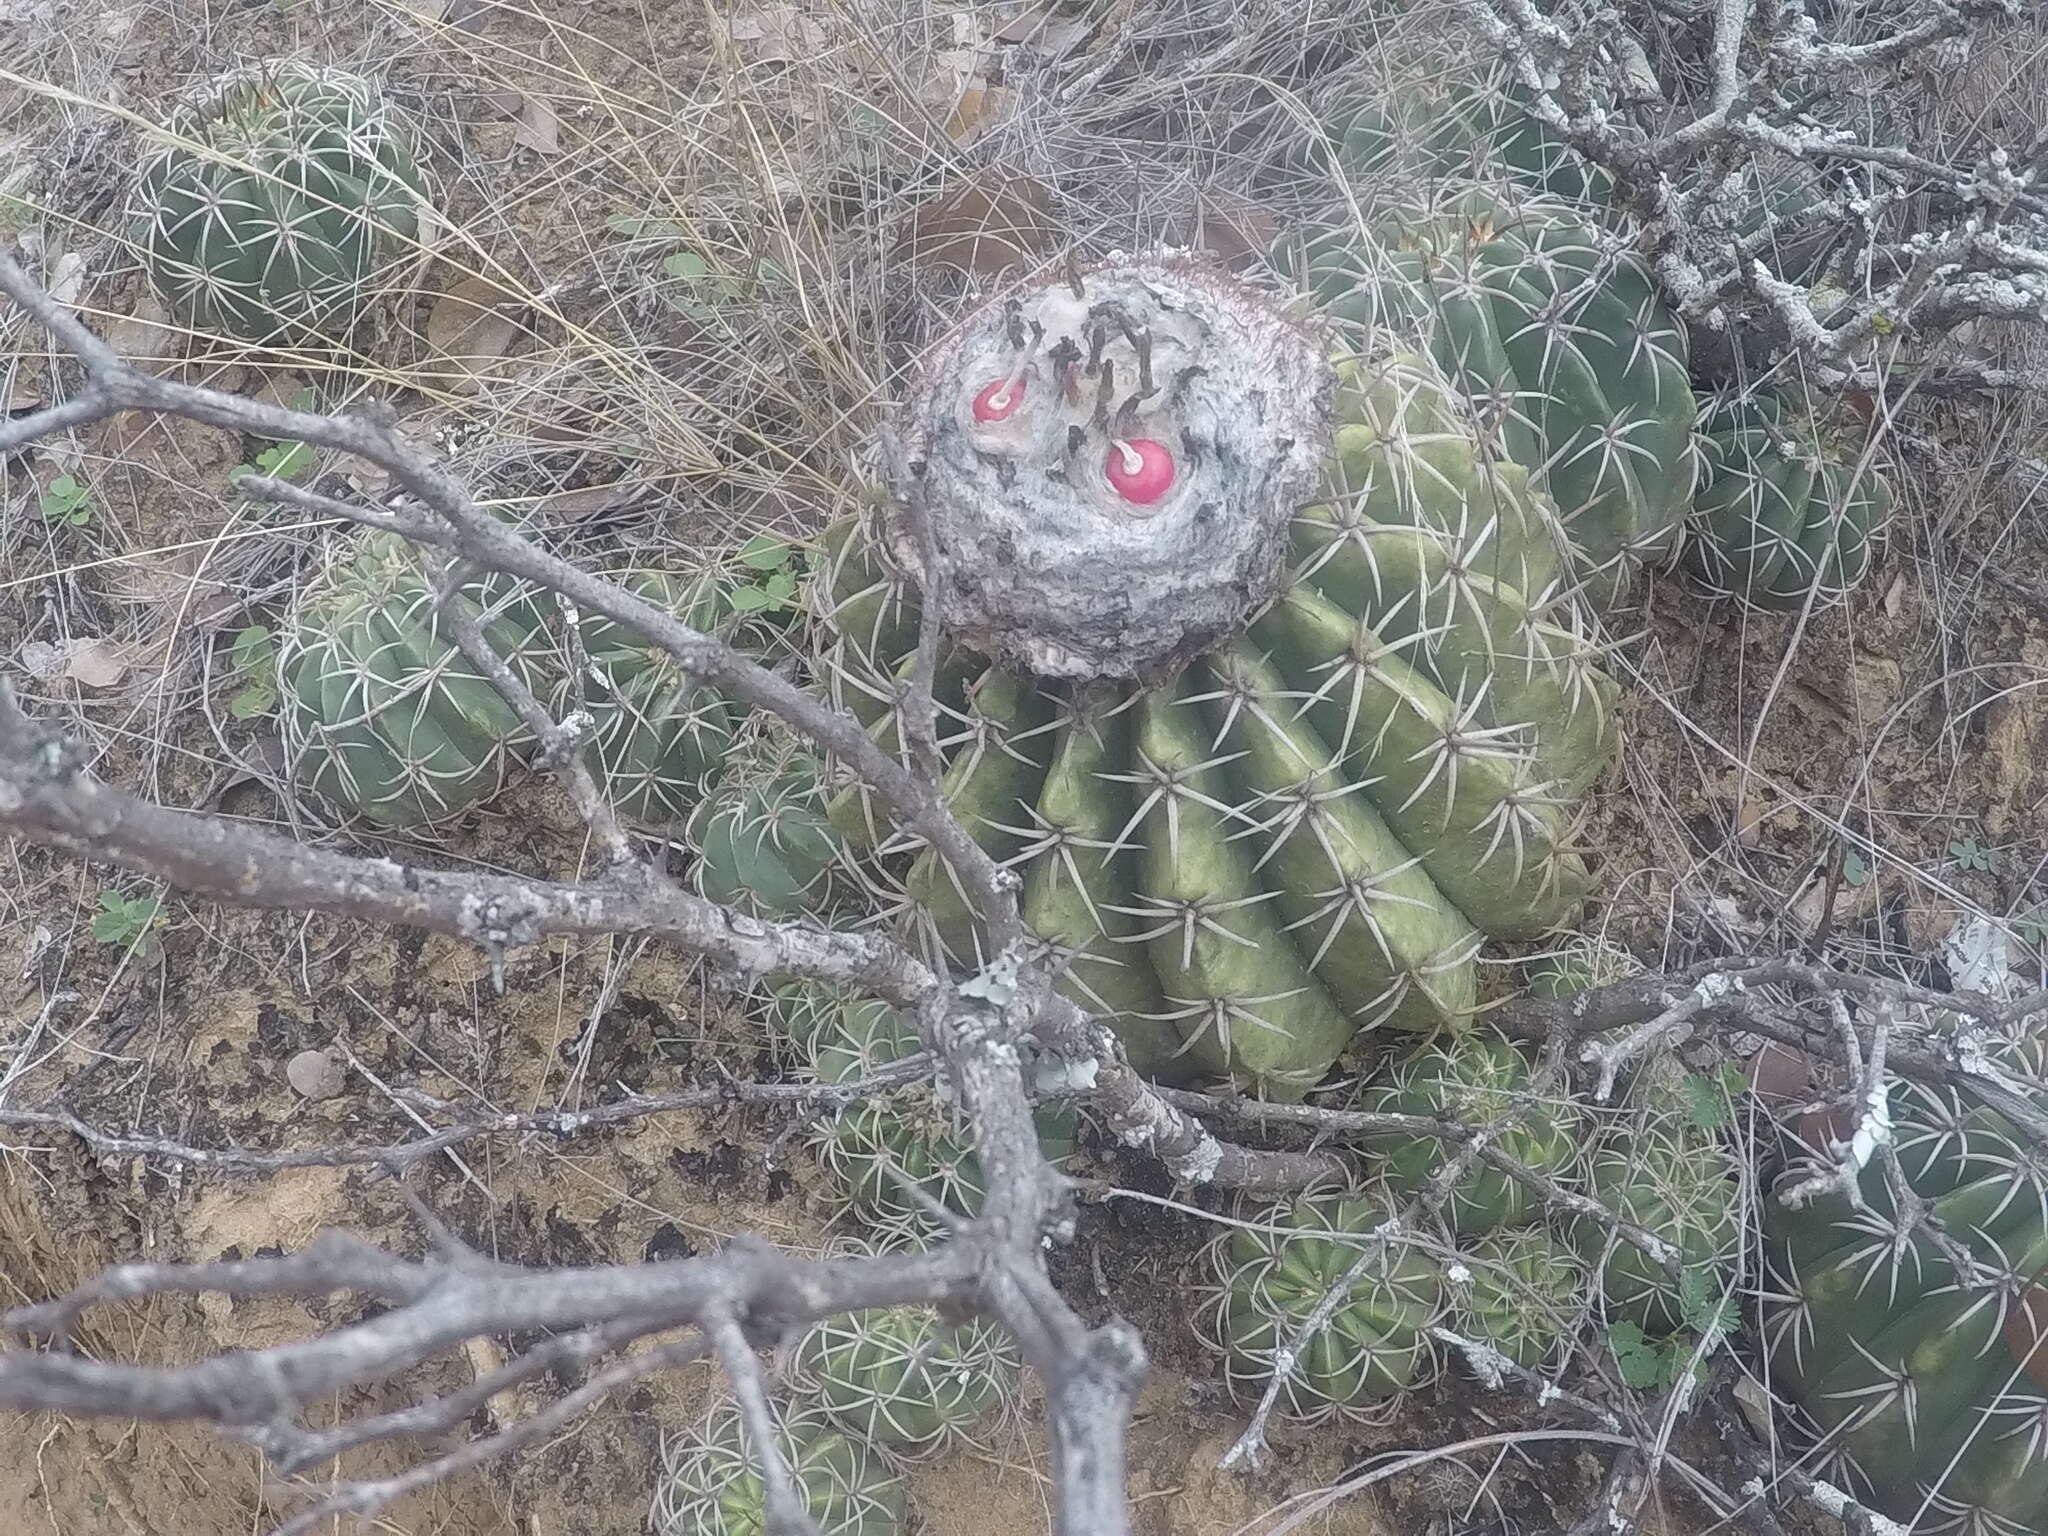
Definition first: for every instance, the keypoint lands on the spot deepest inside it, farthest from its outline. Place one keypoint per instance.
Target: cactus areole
(1110, 463)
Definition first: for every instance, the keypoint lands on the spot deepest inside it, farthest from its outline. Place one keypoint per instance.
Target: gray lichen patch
(1111, 462)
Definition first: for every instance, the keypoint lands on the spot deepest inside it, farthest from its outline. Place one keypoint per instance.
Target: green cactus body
(710, 1485)
(1311, 829)
(1526, 1294)
(1375, 1345)
(382, 717)
(1931, 1385)
(661, 739)
(1431, 131)
(1578, 965)
(1778, 519)
(876, 1145)
(764, 840)
(1564, 349)
(1668, 1176)
(1477, 1079)
(291, 192)
(905, 1379)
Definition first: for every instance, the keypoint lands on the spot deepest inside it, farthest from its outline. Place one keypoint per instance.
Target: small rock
(315, 1074)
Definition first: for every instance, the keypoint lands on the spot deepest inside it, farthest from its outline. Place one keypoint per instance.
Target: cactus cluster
(1492, 242)
(1505, 1272)
(384, 719)
(279, 205)
(1914, 1336)
(1306, 830)
(710, 1484)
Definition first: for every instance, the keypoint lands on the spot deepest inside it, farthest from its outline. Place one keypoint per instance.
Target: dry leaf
(468, 15)
(590, 500)
(1044, 30)
(67, 280)
(978, 230)
(471, 327)
(97, 664)
(147, 337)
(40, 659)
(1236, 229)
(981, 109)
(772, 34)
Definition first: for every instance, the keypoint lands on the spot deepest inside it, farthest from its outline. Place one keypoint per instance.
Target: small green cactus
(1916, 1340)
(764, 842)
(876, 1146)
(1271, 1274)
(1662, 1171)
(1477, 1079)
(1778, 517)
(1526, 1295)
(287, 195)
(710, 1485)
(381, 715)
(661, 738)
(1579, 964)
(904, 1377)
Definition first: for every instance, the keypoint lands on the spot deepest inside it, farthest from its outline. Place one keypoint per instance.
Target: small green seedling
(777, 574)
(1854, 870)
(1649, 1364)
(1707, 1095)
(280, 461)
(130, 920)
(1970, 854)
(253, 656)
(67, 502)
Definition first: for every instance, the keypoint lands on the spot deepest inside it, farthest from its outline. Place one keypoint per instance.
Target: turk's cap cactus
(1110, 465)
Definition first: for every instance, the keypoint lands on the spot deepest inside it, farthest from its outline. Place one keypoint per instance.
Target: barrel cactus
(710, 1485)
(1664, 1172)
(1477, 1079)
(1930, 1383)
(906, 1378)
(285, 196)
(661, 738)
(381, 715)
(1525, 1295)
(1573, 362)
(1251, 672)
(1780, 517)
(877, 1145)
(1272, 1273)
(763, 840)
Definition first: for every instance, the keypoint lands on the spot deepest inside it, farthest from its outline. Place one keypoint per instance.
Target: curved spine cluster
(710, 1484)
(381, 715)
(286, 194)
(1914, 1335)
